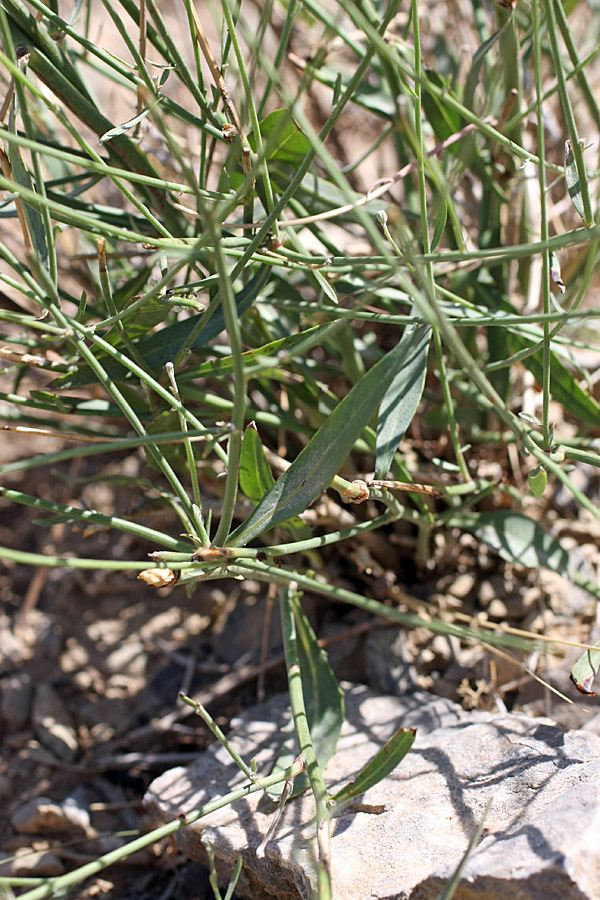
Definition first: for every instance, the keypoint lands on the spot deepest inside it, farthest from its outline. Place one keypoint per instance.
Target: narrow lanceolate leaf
(584, 670)
(572, 179)
(34, 219)
(313, 469)
(384, 762)
(323, 700)
(255, 475)
(402, 398)
(124, 127)
(440, 225)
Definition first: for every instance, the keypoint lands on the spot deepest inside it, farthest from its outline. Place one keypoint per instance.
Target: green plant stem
(92, 517)
(140, 63)
(107, 446)
(234, 444)
(305, 744)
(281, 49)
(72, 562)
(62, 882)
(197, 518)
(208, 720)
(76, 332)
(546, 351)
(578, 66)
(39, 178)
(308, 159)
(314, 585)
(99, 166)
(567, 110)
(266, 181)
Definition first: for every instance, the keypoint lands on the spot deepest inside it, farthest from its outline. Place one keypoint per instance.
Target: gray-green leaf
(402, 398)
(323, 701)
(255, 475)
(572, 179)
(314, 468)
(384, 762)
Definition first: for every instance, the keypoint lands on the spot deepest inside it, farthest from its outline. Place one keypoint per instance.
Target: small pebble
(41, 815)
(128, 659)
(53, 724)
(17, 692)
(39, 863)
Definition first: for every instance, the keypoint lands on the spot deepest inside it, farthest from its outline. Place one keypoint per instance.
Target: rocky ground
(91, 665)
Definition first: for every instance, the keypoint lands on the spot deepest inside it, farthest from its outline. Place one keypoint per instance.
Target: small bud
(159, 578)
(358, 493)
(230, 132)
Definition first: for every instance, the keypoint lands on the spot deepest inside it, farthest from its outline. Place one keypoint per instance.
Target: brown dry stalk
(7, 172)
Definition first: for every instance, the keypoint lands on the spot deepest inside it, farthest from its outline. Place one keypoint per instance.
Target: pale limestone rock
(405, 836)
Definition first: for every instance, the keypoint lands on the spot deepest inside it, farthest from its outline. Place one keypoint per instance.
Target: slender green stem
(317, 783)
(579, 67)
(50, 247)
(567, 110)
(208, 720)
(75, 332)
(96, 164)
(234, 445)
(546, 351)
(131, 45)
(316, 147)
(108, 446)
(59, 884)
(92, 517)
(200, 528)
(275, 575)
(266, 181)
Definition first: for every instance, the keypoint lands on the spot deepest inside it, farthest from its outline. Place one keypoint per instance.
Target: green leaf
(538, 479)
(384, 762)
(323, 701)
(126, 126)
(402, 398)
(35, 222)
(255, 475)
(224, 365)
(572, 179)
(519, 539)
(313, 469)
(146, 317)
(283, 138)
(440, 225)
(474, 76)
(583, 672)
